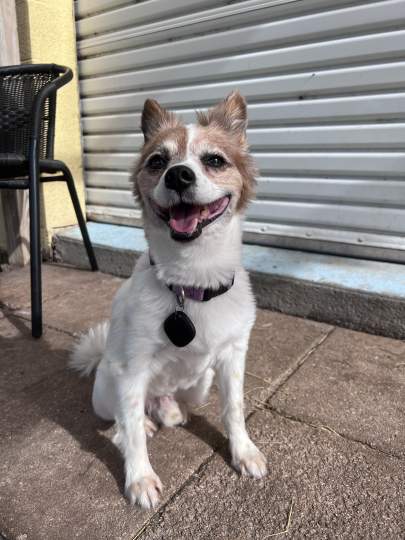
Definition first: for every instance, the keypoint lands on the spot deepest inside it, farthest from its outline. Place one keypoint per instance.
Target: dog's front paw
(249, 461)
(145, 491)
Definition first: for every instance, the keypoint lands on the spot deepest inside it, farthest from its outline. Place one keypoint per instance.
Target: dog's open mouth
(186, 220)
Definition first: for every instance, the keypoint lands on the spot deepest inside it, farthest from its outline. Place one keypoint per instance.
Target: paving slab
(62, 477)
(24, 360)
(278, 343)
(73, 300)
(354, 383)
(83, 307)
(56, 281)
(334, 489)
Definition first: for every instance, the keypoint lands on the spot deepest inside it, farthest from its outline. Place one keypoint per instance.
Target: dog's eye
(215, 161)
(157, 162)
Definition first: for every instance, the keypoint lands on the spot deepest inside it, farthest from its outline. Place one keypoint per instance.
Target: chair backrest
(19, 86)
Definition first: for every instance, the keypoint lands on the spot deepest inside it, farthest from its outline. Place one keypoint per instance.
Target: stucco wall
(47, 34)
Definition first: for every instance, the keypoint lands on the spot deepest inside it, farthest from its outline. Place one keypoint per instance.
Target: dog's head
(195, 176)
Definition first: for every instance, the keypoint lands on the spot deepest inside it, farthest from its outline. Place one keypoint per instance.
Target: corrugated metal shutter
(325, 81)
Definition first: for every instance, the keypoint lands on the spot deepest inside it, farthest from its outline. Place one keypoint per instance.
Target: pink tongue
(184, 218)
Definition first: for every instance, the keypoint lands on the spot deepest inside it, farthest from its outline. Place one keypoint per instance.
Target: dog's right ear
(154, 118)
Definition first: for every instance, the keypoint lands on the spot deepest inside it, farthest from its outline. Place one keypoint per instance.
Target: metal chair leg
(35, 253)
(82, 224)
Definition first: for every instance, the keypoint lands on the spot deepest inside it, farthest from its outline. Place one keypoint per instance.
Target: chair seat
(16, 165)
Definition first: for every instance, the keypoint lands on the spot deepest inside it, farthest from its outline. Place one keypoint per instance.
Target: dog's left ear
(155, 118)
(230, 115)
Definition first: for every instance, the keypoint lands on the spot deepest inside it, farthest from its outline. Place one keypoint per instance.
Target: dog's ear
(155, 118)
(230, 114)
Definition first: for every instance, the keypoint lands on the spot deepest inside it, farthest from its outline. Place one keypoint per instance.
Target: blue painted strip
(368, 276)
(111, 236)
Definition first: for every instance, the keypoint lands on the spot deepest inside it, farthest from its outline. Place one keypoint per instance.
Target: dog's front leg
(142, 485)
(246, 458)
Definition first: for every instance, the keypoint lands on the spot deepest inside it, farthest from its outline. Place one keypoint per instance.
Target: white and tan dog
(193, 183)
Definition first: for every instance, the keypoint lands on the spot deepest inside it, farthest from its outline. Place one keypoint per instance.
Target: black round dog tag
(179, 329)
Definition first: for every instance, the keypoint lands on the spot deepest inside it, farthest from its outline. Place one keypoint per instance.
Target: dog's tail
(88, 351)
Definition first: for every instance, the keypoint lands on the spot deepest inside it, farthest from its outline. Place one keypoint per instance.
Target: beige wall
(47, 34)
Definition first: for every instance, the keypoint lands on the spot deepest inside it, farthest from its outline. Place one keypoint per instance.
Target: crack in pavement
(322, 427)
(289, 372)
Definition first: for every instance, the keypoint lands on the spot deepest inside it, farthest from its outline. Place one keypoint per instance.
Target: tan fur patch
(241, 174)
(229, 115)
(226, 123)
(176, 134)
(224, 126)
(155, 118)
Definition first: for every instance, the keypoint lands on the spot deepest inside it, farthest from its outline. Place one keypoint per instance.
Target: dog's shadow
(60, 397)
(64, 399)
(200, 427)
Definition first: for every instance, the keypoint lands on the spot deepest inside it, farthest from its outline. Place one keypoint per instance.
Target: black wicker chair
(27, 132)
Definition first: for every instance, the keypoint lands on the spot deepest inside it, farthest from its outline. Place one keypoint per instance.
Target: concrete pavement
(326, 405)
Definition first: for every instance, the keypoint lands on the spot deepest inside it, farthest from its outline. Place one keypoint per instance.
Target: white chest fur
(137, 340)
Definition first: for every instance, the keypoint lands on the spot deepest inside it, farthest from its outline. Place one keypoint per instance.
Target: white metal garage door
(325, 81)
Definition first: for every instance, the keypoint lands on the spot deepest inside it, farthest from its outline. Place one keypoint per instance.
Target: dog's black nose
(179, 178)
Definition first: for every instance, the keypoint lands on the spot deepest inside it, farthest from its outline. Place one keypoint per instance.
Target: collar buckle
(180, 296)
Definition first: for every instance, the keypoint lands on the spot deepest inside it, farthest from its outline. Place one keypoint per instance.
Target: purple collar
(197, 294)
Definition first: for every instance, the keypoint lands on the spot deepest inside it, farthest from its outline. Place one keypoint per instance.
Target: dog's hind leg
(104, 396)
(166, 411)
(198, 394)
(105, 400)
